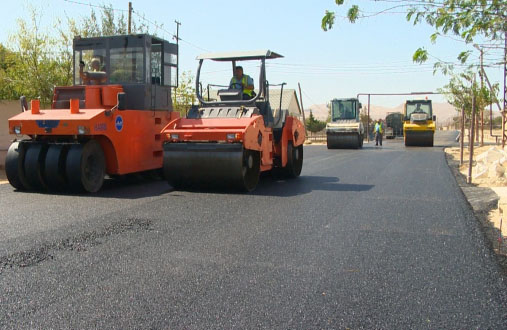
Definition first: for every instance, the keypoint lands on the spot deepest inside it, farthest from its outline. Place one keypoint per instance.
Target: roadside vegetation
(34, 60)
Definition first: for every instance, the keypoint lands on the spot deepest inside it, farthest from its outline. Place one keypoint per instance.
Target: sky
(373, 55)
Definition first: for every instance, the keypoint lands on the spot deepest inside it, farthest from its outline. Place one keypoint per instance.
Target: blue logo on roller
(118, 123)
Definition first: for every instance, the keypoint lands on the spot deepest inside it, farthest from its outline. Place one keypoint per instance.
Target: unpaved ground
(3, 178)
(489, 170)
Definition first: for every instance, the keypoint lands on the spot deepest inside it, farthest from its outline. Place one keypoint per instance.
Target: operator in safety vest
(243, 82)
(379, 130)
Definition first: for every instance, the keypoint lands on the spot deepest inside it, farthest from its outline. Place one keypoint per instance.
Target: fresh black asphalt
(379, 238)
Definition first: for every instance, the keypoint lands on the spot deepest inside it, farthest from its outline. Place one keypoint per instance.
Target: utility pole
(462, 136)
(130, 17)
(177, 53)
(482, 85)
(471, 156)
(504, 88)
(302, 108)
(368, 121)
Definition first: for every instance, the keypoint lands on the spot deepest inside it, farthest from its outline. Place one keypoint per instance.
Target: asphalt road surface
(379, 238)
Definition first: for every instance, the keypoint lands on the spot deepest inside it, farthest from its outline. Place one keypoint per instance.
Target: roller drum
(419, 139)
(343, 141)
(189, 165)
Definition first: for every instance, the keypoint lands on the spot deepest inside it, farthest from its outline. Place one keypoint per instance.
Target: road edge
(481, 200)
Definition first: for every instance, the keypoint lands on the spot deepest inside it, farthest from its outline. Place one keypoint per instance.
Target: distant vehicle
(389, 133)
(345, 129)
(394, 125)
(419, 123)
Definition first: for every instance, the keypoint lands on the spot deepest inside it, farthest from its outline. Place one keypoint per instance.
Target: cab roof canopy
(240, 56)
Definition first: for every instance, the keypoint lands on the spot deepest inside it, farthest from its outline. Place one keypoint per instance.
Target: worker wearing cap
(379, 130)
(243, 82)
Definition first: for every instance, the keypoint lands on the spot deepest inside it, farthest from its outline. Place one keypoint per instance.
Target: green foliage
(36, 65)
(107, 24)
(34, 60)
(353, 14)
(420, 55)
(460, 89)
(363, 117)
(314, 125)
(328, 20)
(184, 96)
(463, 18)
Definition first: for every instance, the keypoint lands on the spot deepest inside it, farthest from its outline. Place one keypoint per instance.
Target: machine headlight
(17, 130)
(233, 136)
(81, 130)
(175, 136)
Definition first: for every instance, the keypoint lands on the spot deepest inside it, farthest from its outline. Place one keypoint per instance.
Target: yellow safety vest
(244, 83)
(378, 128)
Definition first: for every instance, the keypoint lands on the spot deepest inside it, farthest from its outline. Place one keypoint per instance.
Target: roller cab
(107, 123)
(345, 129)
(228, 141)
(419, 123)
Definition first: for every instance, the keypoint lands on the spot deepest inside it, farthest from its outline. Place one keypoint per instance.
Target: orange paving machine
(230, 140)
(108, 122)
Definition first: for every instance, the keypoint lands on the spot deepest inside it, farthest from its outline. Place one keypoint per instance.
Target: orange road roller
(108, 122)
(228, 141)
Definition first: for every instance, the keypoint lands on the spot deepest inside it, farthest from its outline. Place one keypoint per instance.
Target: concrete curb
(482, 200)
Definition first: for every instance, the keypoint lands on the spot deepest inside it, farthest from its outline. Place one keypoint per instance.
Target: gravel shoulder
(487, 196)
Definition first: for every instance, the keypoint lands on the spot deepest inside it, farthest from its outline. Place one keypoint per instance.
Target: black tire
(294, 161)
(14, 165)
(34, 165)
(251, 169)
(85, 167)
(54, 169)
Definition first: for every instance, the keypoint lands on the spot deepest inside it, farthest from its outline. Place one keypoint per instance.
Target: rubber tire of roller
(14, 165)
(54, 169)
(85, 167)
(34, 165)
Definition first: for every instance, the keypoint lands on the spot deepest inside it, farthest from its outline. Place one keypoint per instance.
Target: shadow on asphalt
(269, 186)
(134, 187)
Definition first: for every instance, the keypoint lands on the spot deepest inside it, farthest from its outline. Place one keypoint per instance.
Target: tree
(465, 19)
(35, 60)
(107, 24)
(7, 60)
(314, 125)
(363, 117)
(36, 64)
(184, 96)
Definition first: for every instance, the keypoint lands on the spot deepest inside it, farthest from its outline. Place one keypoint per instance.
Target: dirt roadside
(487, 195)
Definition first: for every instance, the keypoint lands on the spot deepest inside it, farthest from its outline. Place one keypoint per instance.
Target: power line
(142, 17)
(95, 6)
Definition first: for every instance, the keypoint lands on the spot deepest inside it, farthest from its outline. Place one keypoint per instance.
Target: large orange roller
(229, 141)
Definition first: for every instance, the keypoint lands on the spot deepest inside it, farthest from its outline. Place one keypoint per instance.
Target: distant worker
(379, 130)
(94, 77)
(243, 82)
